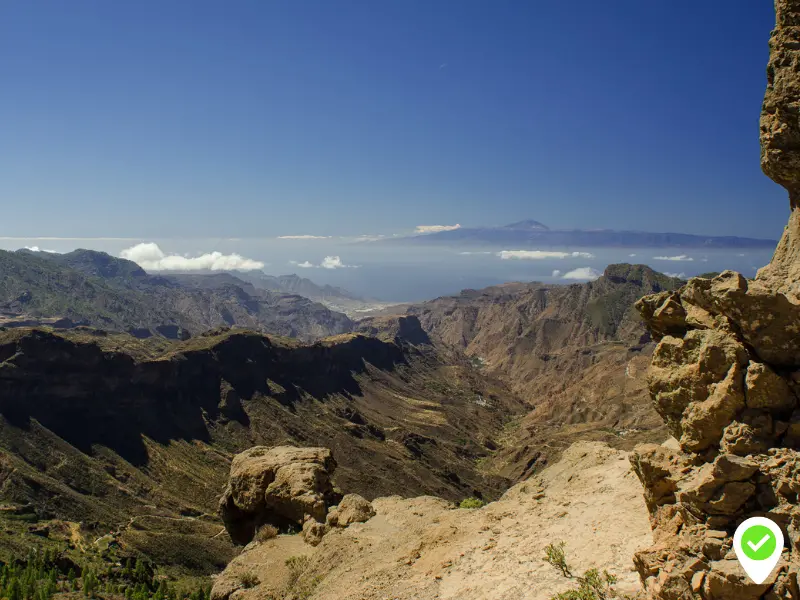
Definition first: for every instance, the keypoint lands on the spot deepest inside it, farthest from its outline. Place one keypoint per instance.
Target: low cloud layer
(679, 258)
(540, 255)
(151, 258)
(582, 274)
(436, 228)
(37, 249)
(303, 237)
(676, 275)
(329, 262)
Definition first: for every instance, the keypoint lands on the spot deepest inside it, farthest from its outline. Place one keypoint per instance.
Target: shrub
(266, 532)
(297, 565)
(248, 579)
(592, 586)
(471, 503)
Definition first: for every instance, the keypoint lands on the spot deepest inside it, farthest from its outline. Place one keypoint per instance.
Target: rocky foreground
(725, 380)
(424, 547)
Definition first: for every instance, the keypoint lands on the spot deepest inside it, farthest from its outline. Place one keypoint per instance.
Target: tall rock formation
(725, 378)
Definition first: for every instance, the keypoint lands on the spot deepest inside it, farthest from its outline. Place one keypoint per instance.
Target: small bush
(471, 503)
(248, 580)
(592, 586)
(554, 554)
(266, 532)
(297, 565)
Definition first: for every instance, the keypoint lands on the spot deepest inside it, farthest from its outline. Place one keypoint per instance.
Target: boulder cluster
(287, 488)
(725, 378)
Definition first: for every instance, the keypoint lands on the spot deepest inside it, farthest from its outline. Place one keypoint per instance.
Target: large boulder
(281, 486)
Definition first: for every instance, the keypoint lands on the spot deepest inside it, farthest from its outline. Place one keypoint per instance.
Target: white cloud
(37, 249)
(632, 255)
(151, 258)
(556, 273)
(469, 253)
(329, 262)
(677, 275)
(583, 273)
(303, 265)
(540, 254)
(334, 262)
(436, 228)
(303, 237)
(680, 257)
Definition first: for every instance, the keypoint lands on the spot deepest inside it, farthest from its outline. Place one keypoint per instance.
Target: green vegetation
(591, 586)
(300, 587)
(44, 574)
(555, 555)
(471, 503)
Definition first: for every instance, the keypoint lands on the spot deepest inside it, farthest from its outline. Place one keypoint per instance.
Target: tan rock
(766, 389)
(352, 509)
(314, 531)
(278, 485)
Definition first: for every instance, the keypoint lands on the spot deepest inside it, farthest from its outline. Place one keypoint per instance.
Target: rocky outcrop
(724, 378)
(277, 486)
(425, 548)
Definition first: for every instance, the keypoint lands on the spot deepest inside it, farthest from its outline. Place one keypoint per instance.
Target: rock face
(724, 378)
(279, 486)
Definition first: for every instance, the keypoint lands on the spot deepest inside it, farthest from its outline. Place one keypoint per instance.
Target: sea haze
(413, 273)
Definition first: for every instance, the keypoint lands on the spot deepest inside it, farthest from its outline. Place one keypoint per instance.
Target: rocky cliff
(136, 435)
(724, 378)
(577, 354)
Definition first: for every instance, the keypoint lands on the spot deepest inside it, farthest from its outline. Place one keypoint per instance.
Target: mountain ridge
(530, 233)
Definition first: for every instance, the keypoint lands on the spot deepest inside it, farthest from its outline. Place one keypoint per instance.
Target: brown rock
(765, 389)
(314, 531)
(353, 509)
(278, 485)
(726, 580)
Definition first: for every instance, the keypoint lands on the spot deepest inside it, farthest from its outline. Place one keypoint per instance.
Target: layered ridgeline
(577, 354)
(108, 433)
(85, 287)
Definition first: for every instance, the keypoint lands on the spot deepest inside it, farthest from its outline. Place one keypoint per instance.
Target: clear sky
(266, 118)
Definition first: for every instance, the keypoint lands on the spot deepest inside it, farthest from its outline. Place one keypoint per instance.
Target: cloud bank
(329, 262)
(583, 274)
(37, 249)
(436, 228)
(151, 258)
(680, 257)
(540, 254)
(676, 275)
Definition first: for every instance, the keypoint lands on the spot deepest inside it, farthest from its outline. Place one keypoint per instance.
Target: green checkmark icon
(758, 542)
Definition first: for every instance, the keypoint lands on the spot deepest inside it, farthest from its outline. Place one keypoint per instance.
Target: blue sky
(266, 118)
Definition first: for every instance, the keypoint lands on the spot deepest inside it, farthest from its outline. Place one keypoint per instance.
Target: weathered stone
(314, 531)
(726, 580)
(726, 378)
(704, 422)
(278, 485)
(683, 373)
(352, 509)
(751, 433)
(765, 389)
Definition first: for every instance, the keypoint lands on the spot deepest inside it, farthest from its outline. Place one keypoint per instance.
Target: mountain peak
(528, 224)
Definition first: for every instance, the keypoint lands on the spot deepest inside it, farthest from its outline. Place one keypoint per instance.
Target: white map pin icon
(758, 543)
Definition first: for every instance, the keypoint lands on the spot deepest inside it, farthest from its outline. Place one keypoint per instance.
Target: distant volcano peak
(529, 225)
